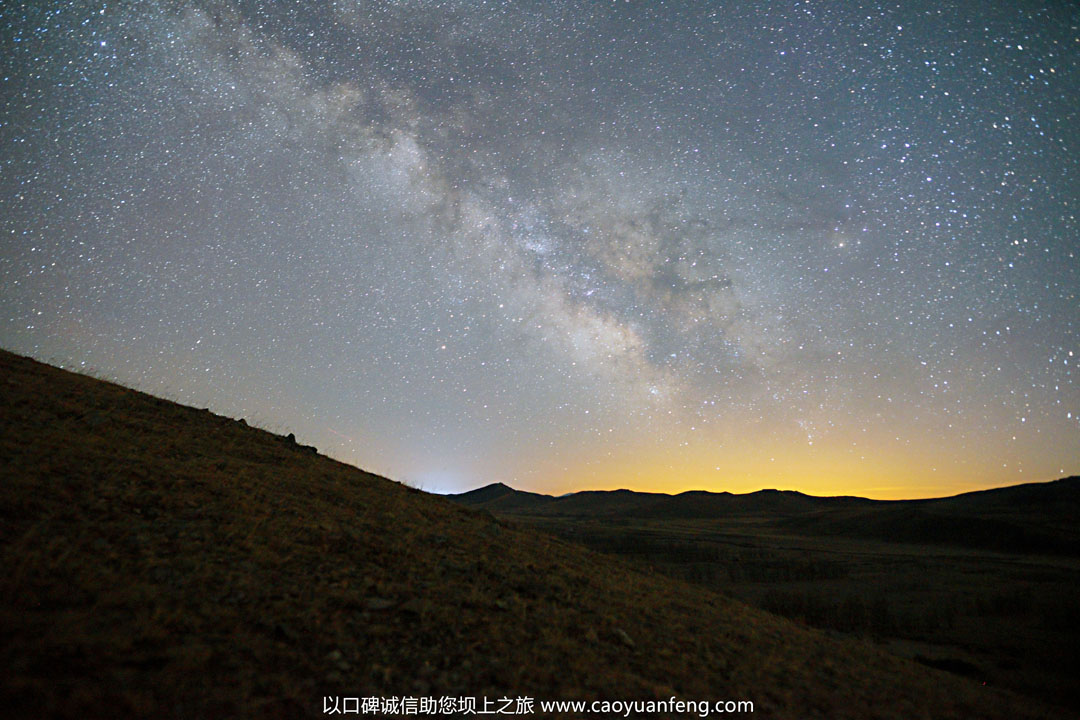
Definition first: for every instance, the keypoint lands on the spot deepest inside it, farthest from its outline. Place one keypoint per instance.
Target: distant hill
(1029, 518)
(701, 504)
(499, 497)
(1057, 500)
(1034, 517)
(163, 561)
(630, 503)
(591, 502)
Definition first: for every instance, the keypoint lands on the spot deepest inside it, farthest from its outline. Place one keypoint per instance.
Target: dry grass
(1008, 620)
(161, 561)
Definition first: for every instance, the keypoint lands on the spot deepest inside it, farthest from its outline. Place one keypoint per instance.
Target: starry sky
(824, 246)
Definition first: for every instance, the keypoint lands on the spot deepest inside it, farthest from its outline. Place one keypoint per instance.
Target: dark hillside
(1030, 518)
(1057, 497)
(1048, 505)
(161, 561)
(599, 502)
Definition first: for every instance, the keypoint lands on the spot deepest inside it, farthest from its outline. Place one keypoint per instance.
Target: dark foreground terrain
(161, 561)
(985, 585)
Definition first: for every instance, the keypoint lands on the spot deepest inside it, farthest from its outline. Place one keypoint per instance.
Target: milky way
(822, 246)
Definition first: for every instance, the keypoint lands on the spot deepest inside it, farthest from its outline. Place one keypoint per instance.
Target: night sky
(665, 246)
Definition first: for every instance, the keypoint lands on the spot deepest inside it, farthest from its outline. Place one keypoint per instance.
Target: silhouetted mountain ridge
(498, 496)
(1032, 517)
(633, 503)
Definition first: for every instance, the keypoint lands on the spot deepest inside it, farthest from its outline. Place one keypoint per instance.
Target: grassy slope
(163, 561)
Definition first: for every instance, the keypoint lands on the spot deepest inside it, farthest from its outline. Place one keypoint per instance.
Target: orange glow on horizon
(821, 470)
